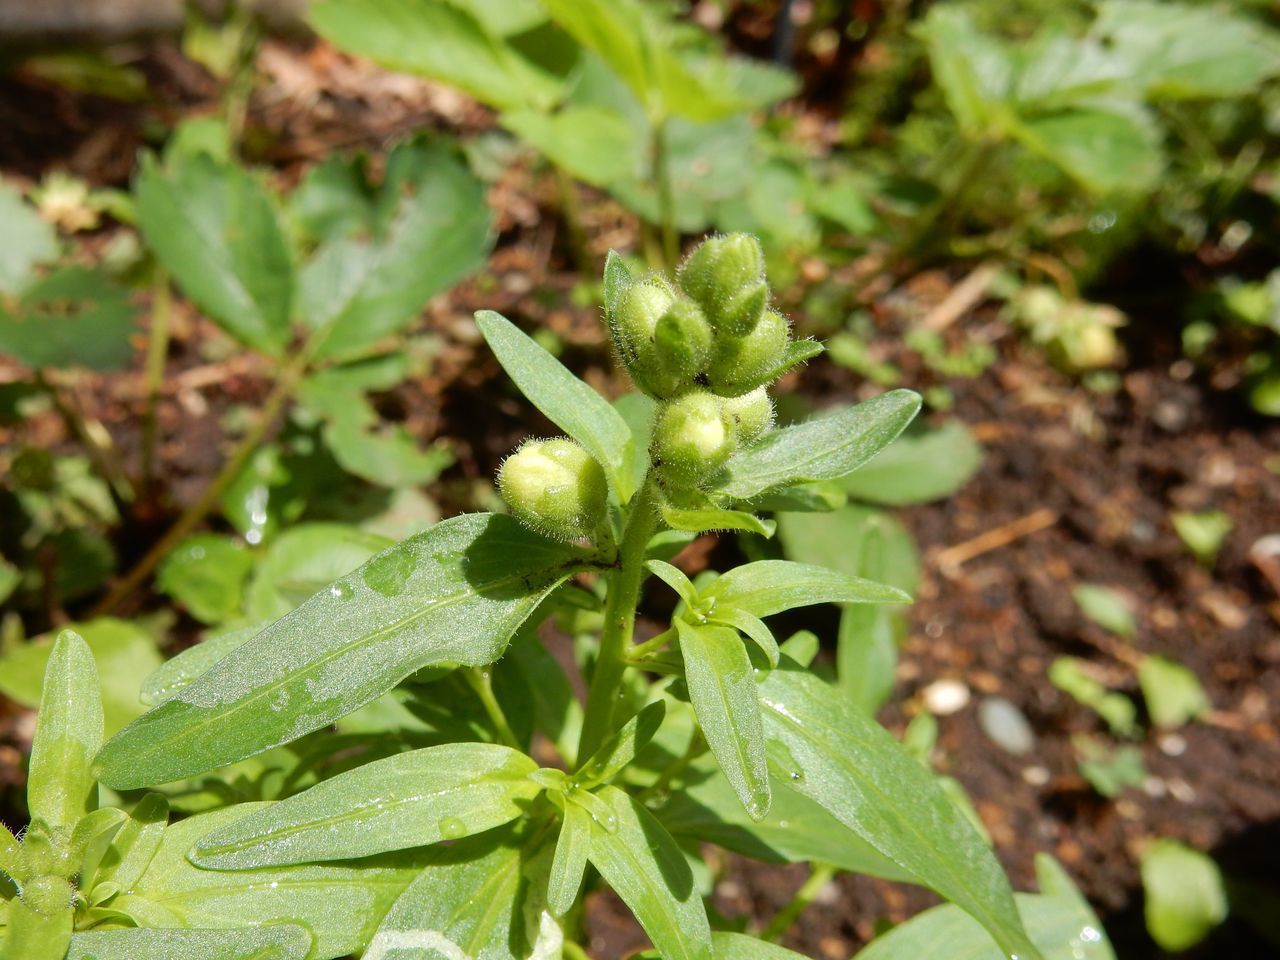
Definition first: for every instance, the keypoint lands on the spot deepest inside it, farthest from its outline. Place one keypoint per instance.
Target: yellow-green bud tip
(555, 488)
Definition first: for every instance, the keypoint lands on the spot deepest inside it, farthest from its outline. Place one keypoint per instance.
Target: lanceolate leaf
(819, 449)
(409, 800)
(68, 733)
(35, 936)
(214, 228)
(568, 402)
(455, 593)
(767, 587)
(339, 903)
(468, 901)
(573, 847)
(699, 521)
(643, 865)
(722, 688)
(279, 942)
(866, 780)
(750, 625)
(135, 843)
(620, 749)
(739, 946)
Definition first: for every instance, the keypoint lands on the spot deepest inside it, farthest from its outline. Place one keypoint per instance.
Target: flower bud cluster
(706, 350)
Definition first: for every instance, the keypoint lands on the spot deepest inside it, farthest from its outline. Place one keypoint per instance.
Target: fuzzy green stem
(619, 620)
(820, 876)
(481, 681)
(157, 351)
(208, 499)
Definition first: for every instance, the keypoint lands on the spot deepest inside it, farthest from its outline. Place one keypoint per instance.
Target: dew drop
(799, 775)
(340, 590)
(451, 828)
(389, 572)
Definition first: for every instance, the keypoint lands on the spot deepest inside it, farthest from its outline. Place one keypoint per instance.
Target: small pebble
(1154, 787)
(1006, 725)
(1036, 776)
(1173, 745)
(945, 697)
(1181, 791)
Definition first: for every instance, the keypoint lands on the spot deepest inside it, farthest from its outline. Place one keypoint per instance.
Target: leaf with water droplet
(722, 688)
(332, 656)
(408, 800)
(282, 941)
(643, 865)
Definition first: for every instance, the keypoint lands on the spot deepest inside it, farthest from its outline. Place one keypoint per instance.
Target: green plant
(710, 731)
(1185, 894)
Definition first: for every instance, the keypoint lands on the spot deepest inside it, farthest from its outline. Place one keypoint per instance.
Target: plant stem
(574, 952)
(619, 621)
(157, 351)
(208, 499)
(696, 748)
(481, 681)
(819, 877)
(571, 211)
(666, 200)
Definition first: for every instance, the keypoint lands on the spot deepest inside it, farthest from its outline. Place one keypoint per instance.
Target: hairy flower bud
(752, 414)
(554, 487)
(725, 275)
(742, 364)
(683, 340)
(693, 437)
(47, 895)
(633, 327)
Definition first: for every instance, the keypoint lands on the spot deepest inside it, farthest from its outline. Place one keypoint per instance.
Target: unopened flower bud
(633, 327)
(742, 364)
(693, 437)
(47, 895)
(683, 340)
(725, 275)
(752, 414)
(554, 487)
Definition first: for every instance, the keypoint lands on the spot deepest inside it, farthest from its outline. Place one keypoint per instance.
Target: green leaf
(472, 899)
(339, 903)
(865, 779)
(593, 143)
(739, 946)
(848, 539)
(573, 848)
(706, 809)
(621, 748)
(194, 662)
(215, 229)
(1204, 533)
(72, 317)
(431, 228)
(767, 587)
(643, 865)
(751, 626)
(441, 40)
(674, 578)
(973, 70)
(616, 32)
(206, 573)
(700, 521)
(918, 467)
(454, 594)
(409, 800)
(304, 560)
(1107, 148)
(823, 448)
(26, 241)
(60, 788)
(10, 853)
(617, 280)
(35, 936)
(1105, 607)
(1172, 691)
(122, 651)
(1185, 898)
(1069, 675)
(134, 844)
(568, 402)
(722, 688)
(282, 941)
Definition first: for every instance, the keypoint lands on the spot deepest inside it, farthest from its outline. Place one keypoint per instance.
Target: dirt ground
(1096, 473)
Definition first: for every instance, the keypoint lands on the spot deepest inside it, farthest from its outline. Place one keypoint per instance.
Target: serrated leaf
(60, 788)
(722, 688)
(410, 800)
(432, 228)
(823, 448)
(573, 848)
(215, 230)
(454, 594)
(568, 402)
(279, 942)
(469, 900)
(918, 467)
(766, 587)
(643, 865)
(441, 40)
(865, 779)
(339, 903)
(796, 830)
(72, 317)
(700, 521)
